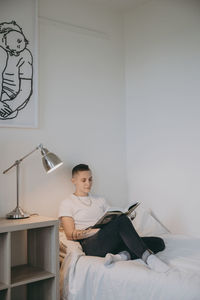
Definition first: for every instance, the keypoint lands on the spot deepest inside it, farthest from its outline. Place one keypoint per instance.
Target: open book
(111, 215)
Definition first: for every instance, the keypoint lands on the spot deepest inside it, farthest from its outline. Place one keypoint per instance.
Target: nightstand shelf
(25, 274)
(29, 259)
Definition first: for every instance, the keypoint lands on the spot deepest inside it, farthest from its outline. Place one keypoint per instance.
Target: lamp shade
(50, 160)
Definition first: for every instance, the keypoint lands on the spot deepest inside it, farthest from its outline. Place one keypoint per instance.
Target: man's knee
(156, 244)
(161, 244)
(124, 220)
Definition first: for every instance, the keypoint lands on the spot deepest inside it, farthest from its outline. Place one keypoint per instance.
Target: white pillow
(146, 224)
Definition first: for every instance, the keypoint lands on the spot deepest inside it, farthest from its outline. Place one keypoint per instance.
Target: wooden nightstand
(29, 259)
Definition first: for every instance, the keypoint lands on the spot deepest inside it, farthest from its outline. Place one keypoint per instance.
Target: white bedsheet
(86, 278)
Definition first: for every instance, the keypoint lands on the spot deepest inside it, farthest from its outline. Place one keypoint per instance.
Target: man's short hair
(79, 168)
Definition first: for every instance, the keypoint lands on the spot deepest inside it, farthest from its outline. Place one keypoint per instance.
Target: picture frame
(19, 63)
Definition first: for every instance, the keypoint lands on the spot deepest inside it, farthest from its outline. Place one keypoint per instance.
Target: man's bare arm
(74, 234)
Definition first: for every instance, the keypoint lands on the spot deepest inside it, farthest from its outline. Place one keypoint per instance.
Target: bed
(86, 278)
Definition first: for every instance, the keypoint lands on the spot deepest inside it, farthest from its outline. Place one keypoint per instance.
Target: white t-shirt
(85, 211)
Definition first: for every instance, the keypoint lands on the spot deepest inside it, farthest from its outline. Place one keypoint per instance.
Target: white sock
(154, 263)
(111, 258)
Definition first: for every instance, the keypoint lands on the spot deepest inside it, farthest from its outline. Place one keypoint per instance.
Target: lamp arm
(17, 162)
(5, 171)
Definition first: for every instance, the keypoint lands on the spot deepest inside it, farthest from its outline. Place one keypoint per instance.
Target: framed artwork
(18, 63)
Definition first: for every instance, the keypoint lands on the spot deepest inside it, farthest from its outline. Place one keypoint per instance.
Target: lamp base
(17, 213)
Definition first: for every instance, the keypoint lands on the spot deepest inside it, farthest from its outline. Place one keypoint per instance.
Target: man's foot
(111, 258)
(154, 263)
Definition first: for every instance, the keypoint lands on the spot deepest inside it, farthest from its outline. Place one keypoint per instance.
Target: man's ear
(73, 180)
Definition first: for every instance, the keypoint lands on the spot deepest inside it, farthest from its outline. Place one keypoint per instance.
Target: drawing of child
(17, 76)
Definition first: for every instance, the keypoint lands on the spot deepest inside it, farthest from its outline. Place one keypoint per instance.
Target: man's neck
(79, 194)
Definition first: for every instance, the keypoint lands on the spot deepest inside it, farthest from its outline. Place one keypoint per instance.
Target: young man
(117, 240)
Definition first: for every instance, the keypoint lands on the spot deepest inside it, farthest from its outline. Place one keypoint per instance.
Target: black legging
(120, 235)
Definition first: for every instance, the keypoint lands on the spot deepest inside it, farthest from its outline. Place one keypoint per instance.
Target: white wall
(163, 108)
(82, 109)
(81, 105)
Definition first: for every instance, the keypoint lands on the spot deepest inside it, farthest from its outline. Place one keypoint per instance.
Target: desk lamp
(50, 162)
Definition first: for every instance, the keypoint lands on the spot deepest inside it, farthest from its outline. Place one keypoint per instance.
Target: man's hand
(91, 232)
(11, 104)
(5, 109)
(83, 234)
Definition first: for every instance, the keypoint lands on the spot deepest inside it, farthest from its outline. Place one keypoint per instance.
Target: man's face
(83, 182)
(15, 42)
